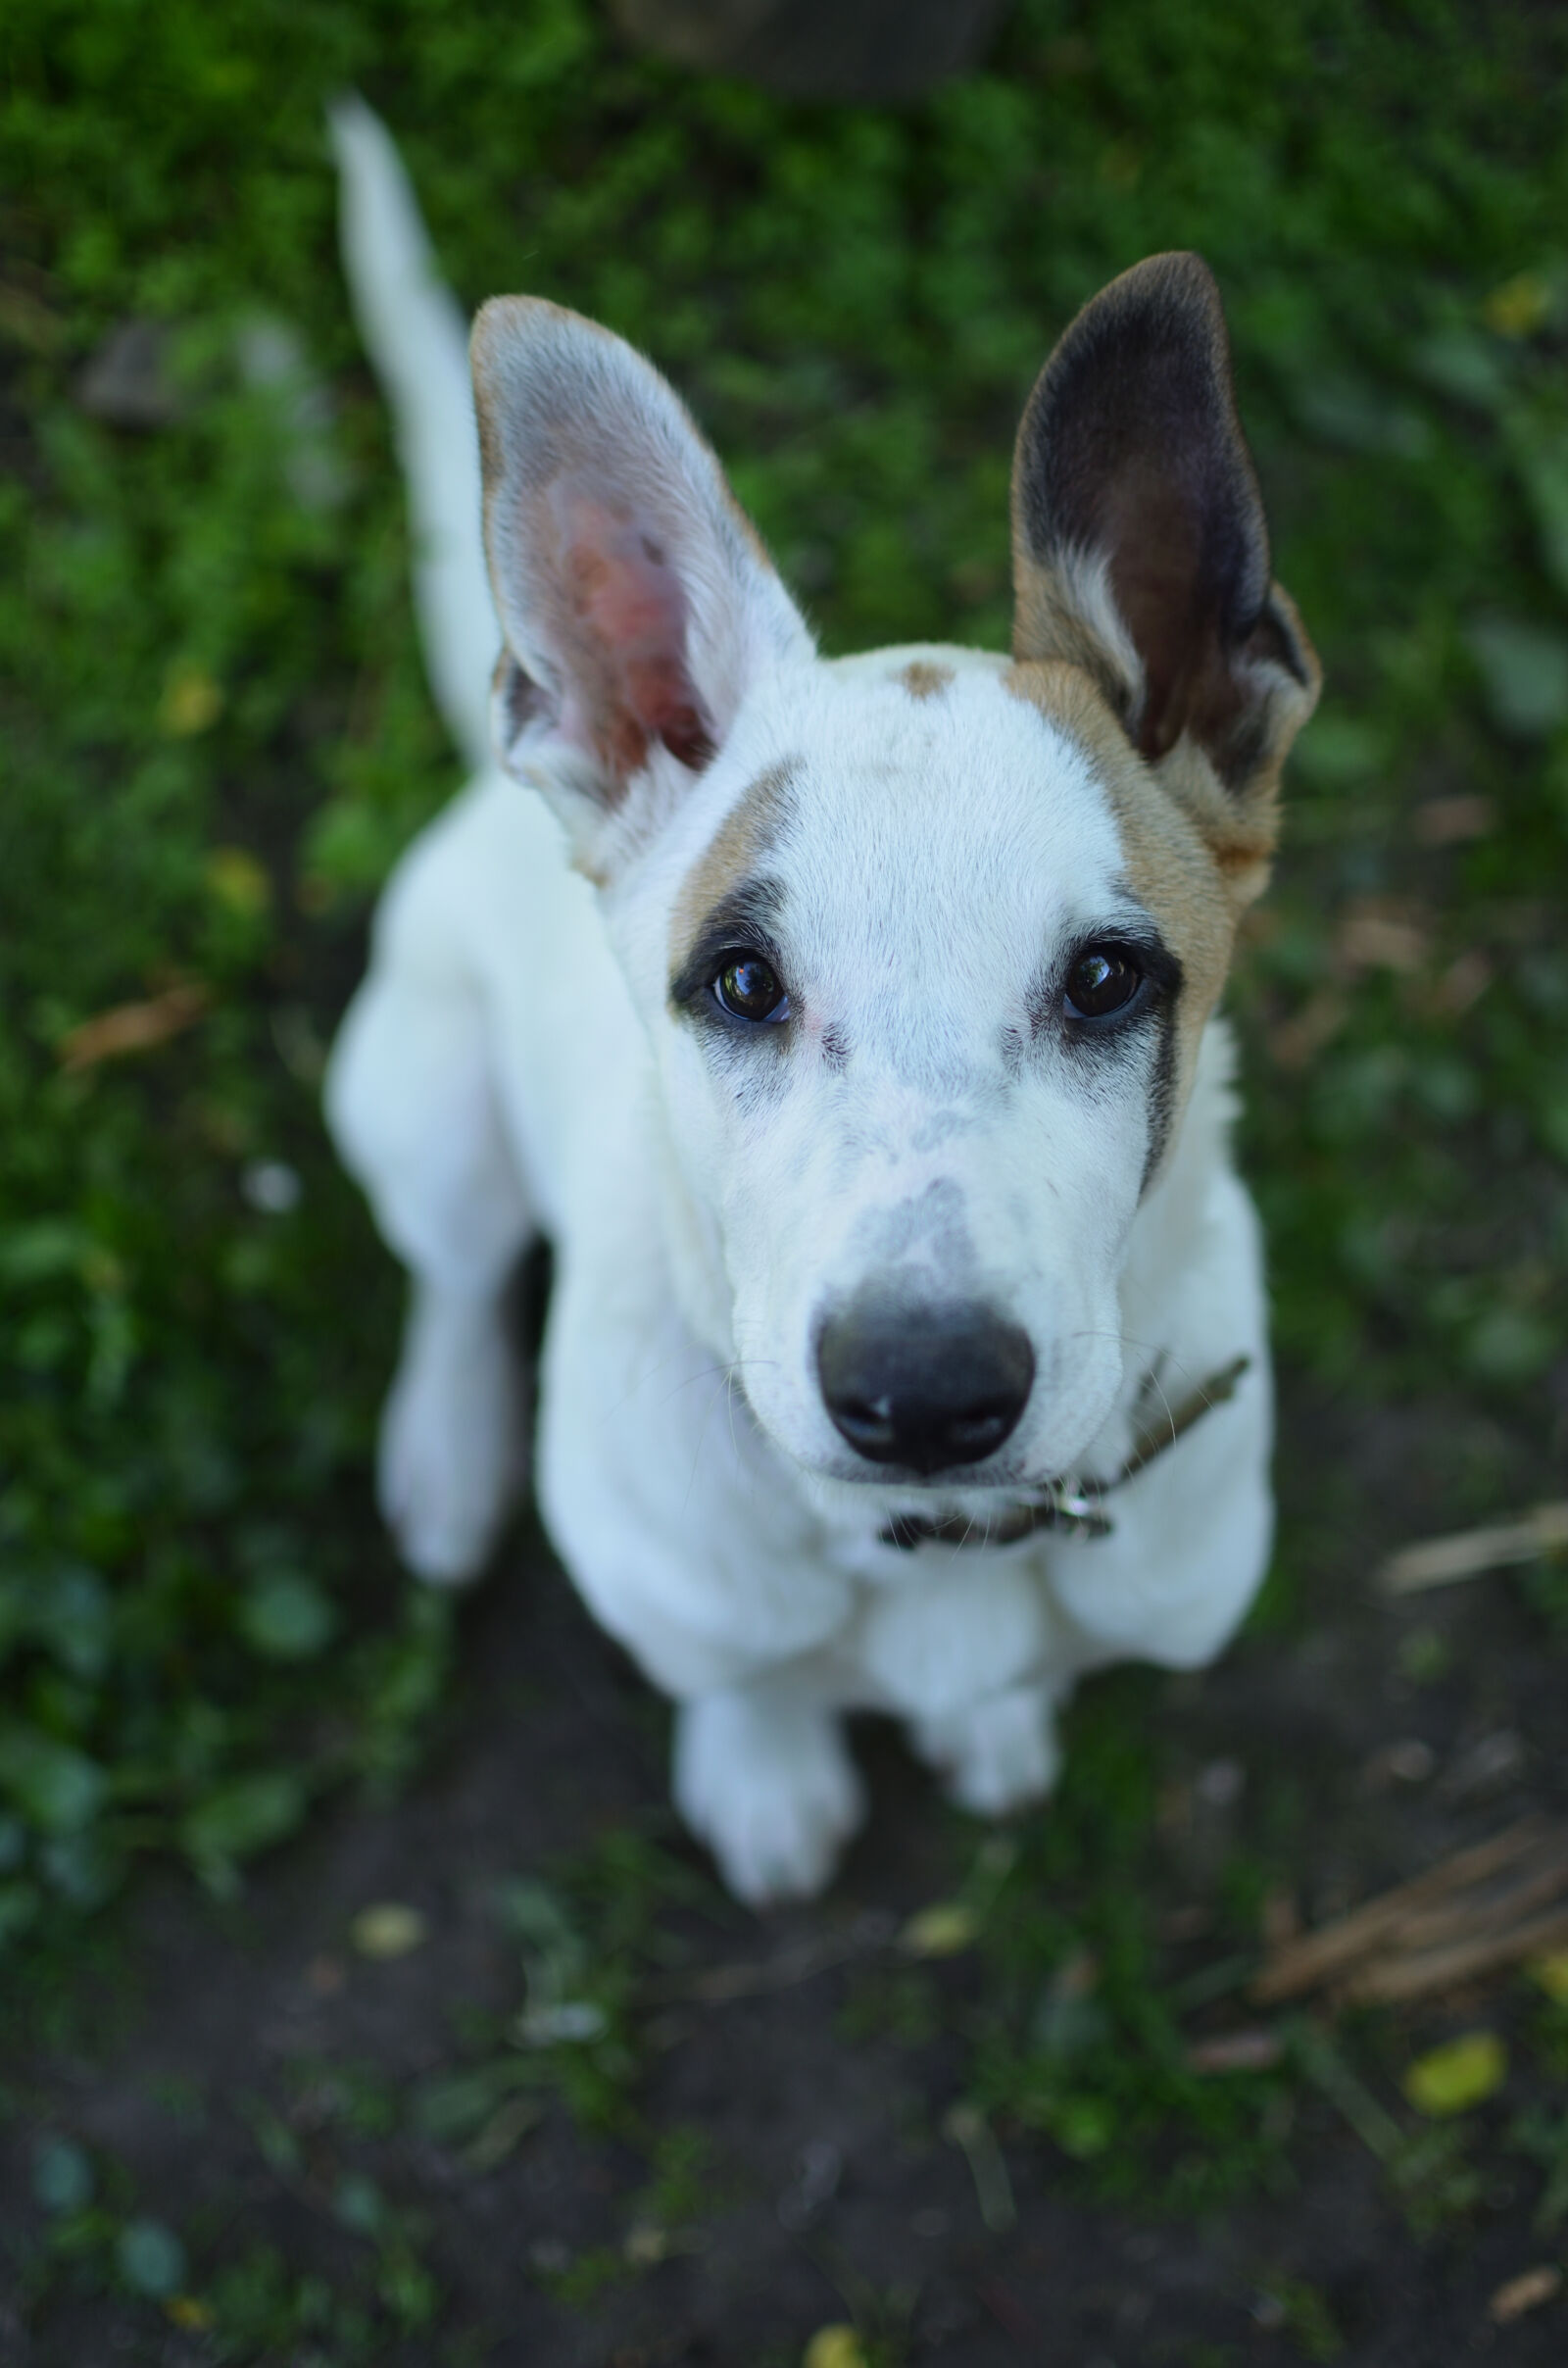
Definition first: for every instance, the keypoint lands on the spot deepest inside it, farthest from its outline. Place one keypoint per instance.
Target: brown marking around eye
(1191, 862)
(734, 853)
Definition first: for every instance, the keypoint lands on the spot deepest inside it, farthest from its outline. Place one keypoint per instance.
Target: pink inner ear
(624, 636)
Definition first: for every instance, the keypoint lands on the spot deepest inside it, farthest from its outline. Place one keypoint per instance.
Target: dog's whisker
(720, 1377)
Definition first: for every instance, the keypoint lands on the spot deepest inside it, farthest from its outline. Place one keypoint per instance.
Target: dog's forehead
(914, 794)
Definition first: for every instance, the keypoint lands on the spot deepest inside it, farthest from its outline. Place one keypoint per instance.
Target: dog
(848, 1026)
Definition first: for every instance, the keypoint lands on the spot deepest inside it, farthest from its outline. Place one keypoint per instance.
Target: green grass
(217, 738)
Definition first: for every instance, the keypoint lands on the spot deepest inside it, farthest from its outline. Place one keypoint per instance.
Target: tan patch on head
(734, 853)
(923, 681)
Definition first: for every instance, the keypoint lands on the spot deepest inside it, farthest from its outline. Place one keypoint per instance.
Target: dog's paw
(768, 1784)
(997, 1756)
(454, 1447)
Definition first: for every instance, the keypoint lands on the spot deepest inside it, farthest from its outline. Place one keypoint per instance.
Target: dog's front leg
(995, 1754)
(763, 1776)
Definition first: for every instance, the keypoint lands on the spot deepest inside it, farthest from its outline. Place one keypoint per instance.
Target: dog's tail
(418, 341)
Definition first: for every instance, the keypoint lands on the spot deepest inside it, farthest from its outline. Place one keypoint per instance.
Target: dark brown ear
(1140, 545)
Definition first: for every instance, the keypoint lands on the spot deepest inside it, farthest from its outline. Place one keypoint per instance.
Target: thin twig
(1465, 1554)
(1319, 1956)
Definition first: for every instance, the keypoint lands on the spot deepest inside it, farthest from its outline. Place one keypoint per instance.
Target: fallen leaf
(1371, 938)
(192, 702)
(1527, 2292)
(238, 881)
(1464, 983)
(942, 1930)
(837, 2347)
(388, 1929)
(1459, 2076)
(1319, 1020)
(1519, 307)
(189, 2311)
(1450, 822)
(1550, 1974)
(134, 1027)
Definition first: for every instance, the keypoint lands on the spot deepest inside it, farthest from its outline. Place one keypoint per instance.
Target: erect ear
(1140, 546)
(637, 602)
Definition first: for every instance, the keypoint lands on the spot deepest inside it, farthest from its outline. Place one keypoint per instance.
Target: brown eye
(748, 988)
(1102, 981)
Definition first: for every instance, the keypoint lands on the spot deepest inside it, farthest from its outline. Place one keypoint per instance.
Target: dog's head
(925, 941)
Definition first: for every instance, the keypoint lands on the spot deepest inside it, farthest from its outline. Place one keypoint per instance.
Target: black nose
(924, 1387)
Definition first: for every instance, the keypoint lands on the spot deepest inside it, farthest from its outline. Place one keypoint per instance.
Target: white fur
(512, 1065)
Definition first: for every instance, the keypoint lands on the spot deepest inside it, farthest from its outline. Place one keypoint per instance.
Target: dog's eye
(1102, 981)
(748, 988)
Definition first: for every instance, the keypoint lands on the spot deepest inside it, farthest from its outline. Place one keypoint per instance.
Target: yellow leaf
(238, 880)
(387, 1929)
(1519, 307)
(187, 2310)
(191, 701)
(1550, 1974)
(1456, 2077)
(837, 2347)
(940, 1930)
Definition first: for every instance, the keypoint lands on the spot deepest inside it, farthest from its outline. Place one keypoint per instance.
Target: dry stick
(1440, 1562)
(1158, 1436)
(1389, 1979)
(1302, 1964)
(1493, 1906)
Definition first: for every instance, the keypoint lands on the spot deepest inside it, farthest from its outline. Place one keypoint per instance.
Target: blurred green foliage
(216, 734)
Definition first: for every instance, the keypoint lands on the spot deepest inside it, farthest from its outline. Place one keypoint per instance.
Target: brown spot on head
(735, 852)
(923, 681)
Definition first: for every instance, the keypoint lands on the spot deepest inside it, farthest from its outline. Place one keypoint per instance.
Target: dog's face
(925, 941)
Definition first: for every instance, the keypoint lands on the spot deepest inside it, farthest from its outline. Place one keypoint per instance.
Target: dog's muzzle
(927, 1389)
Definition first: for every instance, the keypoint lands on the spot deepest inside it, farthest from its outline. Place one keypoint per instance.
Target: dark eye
(1102, 981)
(748, 988)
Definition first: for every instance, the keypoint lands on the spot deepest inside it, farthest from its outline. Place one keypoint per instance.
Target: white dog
(848, 1028)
